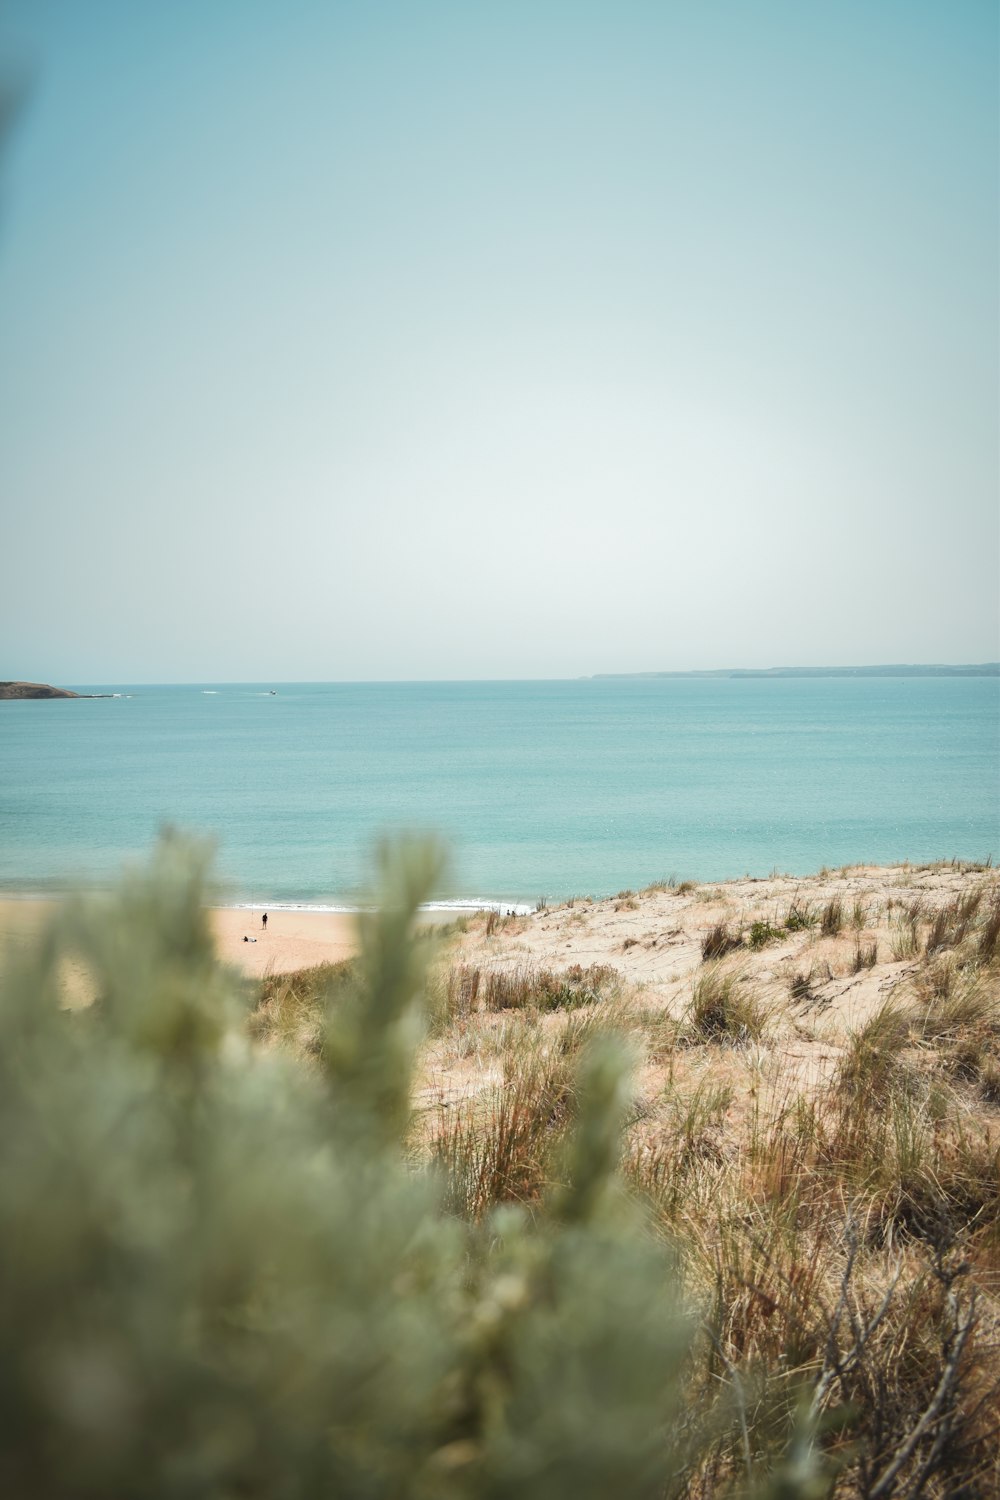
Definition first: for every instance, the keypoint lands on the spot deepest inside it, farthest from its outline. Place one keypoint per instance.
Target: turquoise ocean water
(542, 788)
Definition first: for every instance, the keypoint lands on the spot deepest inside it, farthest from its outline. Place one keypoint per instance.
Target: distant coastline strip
(980, 669)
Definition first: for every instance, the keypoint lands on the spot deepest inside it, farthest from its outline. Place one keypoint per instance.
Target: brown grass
(865, 955)
(723, 1007)
(837, 1229)
(503, 1148)
(831, 920)
(472, 987)
(290, 1007)
(720, 940)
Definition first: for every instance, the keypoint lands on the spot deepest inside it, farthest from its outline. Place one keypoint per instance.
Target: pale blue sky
(529, 339)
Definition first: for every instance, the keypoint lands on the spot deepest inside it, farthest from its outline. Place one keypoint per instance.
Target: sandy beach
(292, 940)
(21, 921)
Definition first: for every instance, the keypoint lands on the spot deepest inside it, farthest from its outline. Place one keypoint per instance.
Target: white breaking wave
(521, 908)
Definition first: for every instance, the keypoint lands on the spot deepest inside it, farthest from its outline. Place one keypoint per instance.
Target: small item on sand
(248, 939)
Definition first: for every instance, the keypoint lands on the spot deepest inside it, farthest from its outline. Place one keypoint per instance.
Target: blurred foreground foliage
(224, 1273)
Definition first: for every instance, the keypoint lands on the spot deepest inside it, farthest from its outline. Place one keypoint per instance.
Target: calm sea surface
(542, 788)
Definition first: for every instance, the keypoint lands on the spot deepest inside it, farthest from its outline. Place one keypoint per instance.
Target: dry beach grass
(814, 1127)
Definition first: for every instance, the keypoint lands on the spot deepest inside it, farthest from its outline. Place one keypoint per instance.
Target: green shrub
(222, 1274)
(762, 933)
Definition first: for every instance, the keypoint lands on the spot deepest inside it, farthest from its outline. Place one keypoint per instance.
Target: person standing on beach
(263, 921)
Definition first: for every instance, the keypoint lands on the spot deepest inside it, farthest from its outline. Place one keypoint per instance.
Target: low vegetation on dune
(814, 1136)
(512, 1210)
(472, 988)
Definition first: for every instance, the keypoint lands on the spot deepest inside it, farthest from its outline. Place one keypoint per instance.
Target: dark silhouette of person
(263, 921)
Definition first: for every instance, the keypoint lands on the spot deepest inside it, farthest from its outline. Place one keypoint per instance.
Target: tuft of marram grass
(971, 1005)
(865, 955)
(719, 940)
(831, 920)
(800, 987)
(988, 945)
(290, 1008)
(905, 938)
(502, 1149)
(723, 1008)
(871, 1058)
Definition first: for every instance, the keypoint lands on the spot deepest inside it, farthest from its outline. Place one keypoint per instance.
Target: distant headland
(982, 669)
(10, 690)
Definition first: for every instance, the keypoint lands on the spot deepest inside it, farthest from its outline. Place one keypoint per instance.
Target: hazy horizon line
(984, 668)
